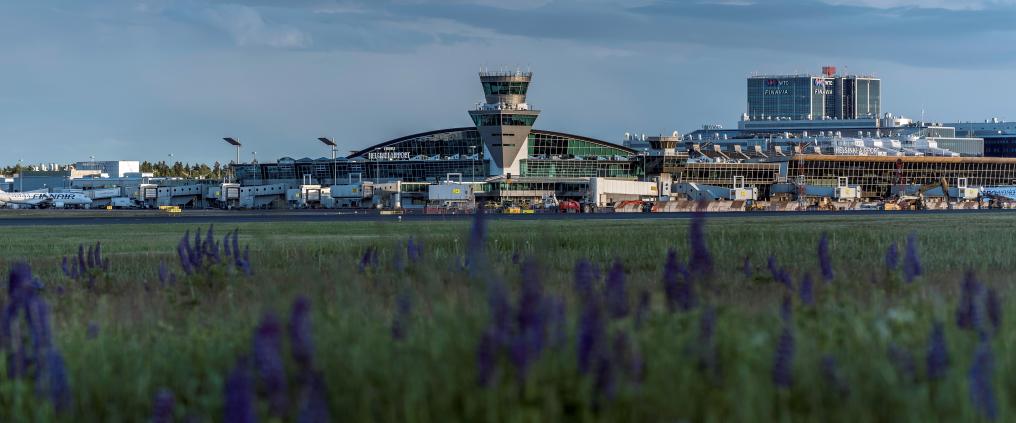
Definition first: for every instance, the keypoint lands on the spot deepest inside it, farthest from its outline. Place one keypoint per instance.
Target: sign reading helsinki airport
(388, 155)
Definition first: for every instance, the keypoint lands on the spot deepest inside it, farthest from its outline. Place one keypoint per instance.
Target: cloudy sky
(142, 79)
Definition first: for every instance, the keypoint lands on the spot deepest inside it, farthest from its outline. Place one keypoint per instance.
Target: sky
(146, 79)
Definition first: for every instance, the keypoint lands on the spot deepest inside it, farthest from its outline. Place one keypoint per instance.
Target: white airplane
(43, 199)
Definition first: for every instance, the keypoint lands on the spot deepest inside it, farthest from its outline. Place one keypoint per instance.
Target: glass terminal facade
(877, 175)
(430, 156)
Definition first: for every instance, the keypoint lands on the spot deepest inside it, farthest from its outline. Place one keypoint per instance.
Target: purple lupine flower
(82, 264)
(993, 309)
(903, 360)
(787, 309)
(369, 258)
(783, 359)
(746, 267)
(99, 261)
(63, 266)
(773, 267)
(779, 274)
(476, 247)
(937, 358)
(642, 310)
(707, 359)
(92, 331)
(591, 334)
(211, 248)
(414, 250)
(239, 404)
(671, 279)
(226, 246)
(685, 295)
(301, 337)
(615, 293)
(892, 257)
(486, 357)
(825, 261)
(244, 263)
(271, 372)
(90, 258)
(183, 253)
(236, 241)
(166, 277)
(832, 376)
(968, 314)
(500, 309)
(911, 262)
(558, 321)
(531, 319)
(52, 381)
(197, 252)
(603, 381)
(162, 407)
(397, 263)
(628, 358)
(400, 322)
(980, 377)
(37, 315)
(701, 261)
(804, 291)
(22, 301)
(584, 280)
(313, 406)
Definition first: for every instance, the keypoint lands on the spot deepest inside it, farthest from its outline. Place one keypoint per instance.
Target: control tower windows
(505, 88)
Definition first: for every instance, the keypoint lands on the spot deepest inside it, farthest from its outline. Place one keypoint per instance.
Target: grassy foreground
(858, 351)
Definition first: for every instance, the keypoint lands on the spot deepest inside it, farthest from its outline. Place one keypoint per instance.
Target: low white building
(113, 168)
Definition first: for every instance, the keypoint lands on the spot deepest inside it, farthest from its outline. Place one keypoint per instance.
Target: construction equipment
(569, 206)
(917, 201)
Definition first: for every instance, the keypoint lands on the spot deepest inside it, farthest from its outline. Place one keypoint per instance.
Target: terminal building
(791, 106)
(999, 136)
(501, 154)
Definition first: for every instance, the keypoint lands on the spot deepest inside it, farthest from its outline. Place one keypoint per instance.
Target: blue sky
(141, 79)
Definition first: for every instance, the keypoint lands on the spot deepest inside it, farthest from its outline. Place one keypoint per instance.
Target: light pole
(21, 176)
(169, 165)
(472, 163)
(645, 174)
(235, 143)
(331, 143)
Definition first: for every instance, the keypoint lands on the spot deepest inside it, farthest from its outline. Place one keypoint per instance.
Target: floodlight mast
(235, 143)
(331, 143)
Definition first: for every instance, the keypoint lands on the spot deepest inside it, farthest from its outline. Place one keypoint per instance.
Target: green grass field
(188, 337)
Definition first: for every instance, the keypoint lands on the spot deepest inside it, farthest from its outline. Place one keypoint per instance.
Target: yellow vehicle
(513, 210)
(171, 209)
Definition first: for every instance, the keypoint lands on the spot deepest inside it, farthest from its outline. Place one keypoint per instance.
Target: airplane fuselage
(45, 199)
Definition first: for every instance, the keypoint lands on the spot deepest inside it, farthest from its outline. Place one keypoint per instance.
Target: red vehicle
(569, 206)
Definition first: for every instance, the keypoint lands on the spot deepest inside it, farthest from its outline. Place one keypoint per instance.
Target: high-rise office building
(814, 97)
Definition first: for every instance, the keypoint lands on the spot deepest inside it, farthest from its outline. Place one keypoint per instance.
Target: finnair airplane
(45, 199)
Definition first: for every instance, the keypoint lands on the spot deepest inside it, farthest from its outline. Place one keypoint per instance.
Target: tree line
(160, 169)
(184, 170)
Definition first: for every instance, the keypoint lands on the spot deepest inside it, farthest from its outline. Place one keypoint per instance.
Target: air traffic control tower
(505, 120)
